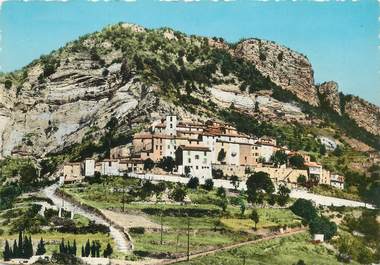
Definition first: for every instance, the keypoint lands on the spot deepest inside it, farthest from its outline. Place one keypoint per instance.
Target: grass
(268, 218)
(281, 251)
(334, 192)
(209, 228)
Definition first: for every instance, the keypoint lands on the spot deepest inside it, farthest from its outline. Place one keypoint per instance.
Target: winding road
(122, 243)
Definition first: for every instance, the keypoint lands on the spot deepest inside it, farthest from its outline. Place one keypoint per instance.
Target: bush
(322, 225)
(304, 208)
(8, 84)
(209, 184)
(137, 230)
(193, 183)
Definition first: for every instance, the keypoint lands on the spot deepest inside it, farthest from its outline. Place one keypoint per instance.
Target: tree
(209, 184)
(83, 252)
(304, 208)
(167, 163)
(322, 225)
(108, 251)
(280, 158)
(235, 181)
(93, 249)
(8, 84)
(148, 164)
(338, 150)
(283, 195)
(147, 189)
(221, 155)
(187, 171)
(223, 203)
(87, 249)
(256, 183)
(217, 173)
(7, 255)
(301, 180)
(178, 194)
(297, 161)
(242, 206)
(193, 183)
(41, 248)
(255, 217)
(221, 192)
(322, 149)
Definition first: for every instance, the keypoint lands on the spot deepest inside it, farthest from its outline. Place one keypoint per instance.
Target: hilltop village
(203, 150)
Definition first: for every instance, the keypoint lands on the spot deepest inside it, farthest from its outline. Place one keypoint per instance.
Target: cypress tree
(69, 248)
(93, 249)
(41, 248)
(16, 252)
(74, 248)
(82, 253)
(20, 246)
(97, 249)
(7, 251)
(62, 248)
(87, 249)
(24, 248)
(108, 251)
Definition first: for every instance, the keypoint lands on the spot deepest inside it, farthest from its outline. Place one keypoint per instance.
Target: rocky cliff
(289, 69)
(138, 75)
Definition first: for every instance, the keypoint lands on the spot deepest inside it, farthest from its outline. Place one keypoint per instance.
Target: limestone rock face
(286, 68)
(365, 114)
(330, 95)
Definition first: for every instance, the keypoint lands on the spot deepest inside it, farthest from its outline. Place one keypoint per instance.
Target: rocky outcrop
(329, 95)
(365, 114)
(286, 68)
(59, 100)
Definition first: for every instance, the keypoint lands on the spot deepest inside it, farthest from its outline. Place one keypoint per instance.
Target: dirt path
(127, 220)
(122, 243)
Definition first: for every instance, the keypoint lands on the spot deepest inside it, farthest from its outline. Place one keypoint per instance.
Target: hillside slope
(137, 75)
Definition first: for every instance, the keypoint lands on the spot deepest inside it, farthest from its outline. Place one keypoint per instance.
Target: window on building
(189, 160)
(205, 153)
(171, 126)
(196, 167)
(196, 157)
(156, 147)
(171, 118)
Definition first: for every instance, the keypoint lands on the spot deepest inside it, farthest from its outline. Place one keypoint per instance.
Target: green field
(210, 227)
(283, 251)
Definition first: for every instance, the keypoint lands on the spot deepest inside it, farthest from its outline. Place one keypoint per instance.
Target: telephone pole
(188, 238)
(161, 227)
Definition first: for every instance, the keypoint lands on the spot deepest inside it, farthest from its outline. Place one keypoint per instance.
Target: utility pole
(161, 227)
(188, 238)
(123, 197)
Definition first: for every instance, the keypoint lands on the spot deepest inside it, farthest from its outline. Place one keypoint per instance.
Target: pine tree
(7, 251)
(82, 253)
(87, 248)
(41, 248)
(20, 246)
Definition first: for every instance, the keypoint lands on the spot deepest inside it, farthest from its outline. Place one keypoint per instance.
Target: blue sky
(340, 38)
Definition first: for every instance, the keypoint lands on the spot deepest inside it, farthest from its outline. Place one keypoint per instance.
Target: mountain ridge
(137, 75)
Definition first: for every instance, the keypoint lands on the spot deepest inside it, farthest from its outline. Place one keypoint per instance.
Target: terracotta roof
(312, 164)
(195, 148)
